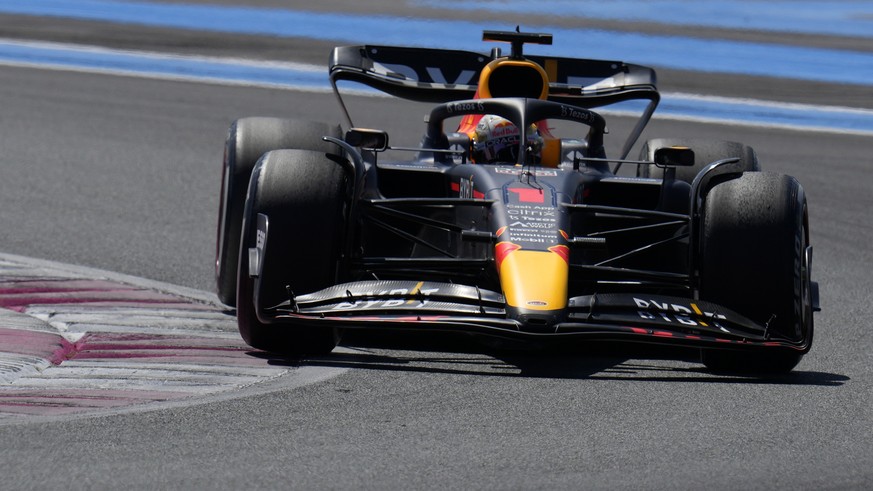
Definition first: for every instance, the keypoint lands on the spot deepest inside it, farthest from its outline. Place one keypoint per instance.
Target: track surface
(123, 174)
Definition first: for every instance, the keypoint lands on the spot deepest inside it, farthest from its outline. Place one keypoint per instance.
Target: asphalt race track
(122, 173)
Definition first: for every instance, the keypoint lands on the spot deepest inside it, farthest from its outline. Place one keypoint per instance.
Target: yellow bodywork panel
(535, 280)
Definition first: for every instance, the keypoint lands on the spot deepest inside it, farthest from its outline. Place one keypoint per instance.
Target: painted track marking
(312, 78)
(82, 342)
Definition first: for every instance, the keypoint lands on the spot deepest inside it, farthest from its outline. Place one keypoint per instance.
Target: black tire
(303, 194)
(705, 152)
(754, 235)
(247, 140)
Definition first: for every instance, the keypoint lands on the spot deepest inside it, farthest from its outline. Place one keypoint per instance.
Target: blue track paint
(678, 52)
(749, 112)
(167, 66)
(831, 18)
(314, 78)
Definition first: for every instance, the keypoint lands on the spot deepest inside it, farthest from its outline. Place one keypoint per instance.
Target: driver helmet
(496, 139)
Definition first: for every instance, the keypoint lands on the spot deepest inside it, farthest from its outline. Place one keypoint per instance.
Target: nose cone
(533, 281)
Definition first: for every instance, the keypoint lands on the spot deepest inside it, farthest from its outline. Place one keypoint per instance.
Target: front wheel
(754, 239)
(303, 195)
(247, 140)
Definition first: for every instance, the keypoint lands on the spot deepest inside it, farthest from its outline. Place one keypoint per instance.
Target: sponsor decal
(435, 73)
(533, 213)
(577, 114)
(533, 223)
(530, 225)
(515, 170)
(533, 237)
(529, 195)
(464, 188)
(403, 299)
(518, 170)
(256, 254)
(689, 315)
(465, 106)
(504, 128)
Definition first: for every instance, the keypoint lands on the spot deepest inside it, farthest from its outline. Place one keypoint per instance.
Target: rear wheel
(705, 152)
(753, 261)
(303, 194)
(247, 140)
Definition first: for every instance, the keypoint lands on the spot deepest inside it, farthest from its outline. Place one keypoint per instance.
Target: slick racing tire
(247, 140)
(303, 194)
(705, 152)
(754, 236)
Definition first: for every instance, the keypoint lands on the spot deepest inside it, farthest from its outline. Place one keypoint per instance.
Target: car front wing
(434, 306)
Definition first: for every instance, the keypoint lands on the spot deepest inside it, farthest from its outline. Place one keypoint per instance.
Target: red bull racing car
(496, 227)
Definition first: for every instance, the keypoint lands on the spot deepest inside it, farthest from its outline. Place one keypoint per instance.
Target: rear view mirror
(366, 138)
(674, 157)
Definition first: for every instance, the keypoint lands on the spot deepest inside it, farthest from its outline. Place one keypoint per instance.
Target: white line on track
(312, 78)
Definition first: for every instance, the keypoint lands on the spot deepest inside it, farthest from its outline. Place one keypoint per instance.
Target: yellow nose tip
(535, 280)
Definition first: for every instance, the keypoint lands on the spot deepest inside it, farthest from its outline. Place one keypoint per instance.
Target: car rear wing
(439, 75)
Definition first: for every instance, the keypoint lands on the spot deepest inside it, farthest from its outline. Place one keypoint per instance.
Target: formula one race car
(499, 228)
